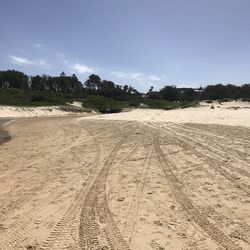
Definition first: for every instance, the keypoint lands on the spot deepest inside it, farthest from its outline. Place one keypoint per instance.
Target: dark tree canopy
(94, 85)
(13, 79)
(170, 93)
(220, 91)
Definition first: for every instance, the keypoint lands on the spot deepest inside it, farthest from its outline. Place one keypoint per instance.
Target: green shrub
(245, 99)
(18, 97)
(160, 104)
(104, 104)
(209, 101)
(190, 104)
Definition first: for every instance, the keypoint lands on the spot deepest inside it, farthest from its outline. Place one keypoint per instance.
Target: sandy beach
(144, 179)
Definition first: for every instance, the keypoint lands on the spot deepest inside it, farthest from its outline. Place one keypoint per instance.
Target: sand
(228, 113)
(4, 136)
(75, 104)
(145, 179)
(12, 111)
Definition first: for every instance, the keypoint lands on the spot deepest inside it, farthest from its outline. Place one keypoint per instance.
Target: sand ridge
(13, 111)
(233, 113)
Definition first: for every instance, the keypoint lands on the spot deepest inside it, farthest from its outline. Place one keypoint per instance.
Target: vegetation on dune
(104, 104)
(111, 105)
(19, 97)
(159, 104)
(190, 104)
(16, 88)
(168, 105)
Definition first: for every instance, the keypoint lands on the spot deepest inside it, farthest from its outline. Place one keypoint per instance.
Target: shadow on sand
(4, 135)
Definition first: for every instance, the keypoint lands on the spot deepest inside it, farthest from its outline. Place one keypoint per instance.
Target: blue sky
(138, 42)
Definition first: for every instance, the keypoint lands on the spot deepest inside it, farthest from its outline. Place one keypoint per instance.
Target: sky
(142, 43)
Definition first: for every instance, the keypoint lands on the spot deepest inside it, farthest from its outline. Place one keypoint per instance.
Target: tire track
(217, 150)
(62, 235)
(214, 163)
(18, 233)
(230, 138)
(242, 230)
(130, 224)
(239, 135)
(213, 140)
(97, 227)
(68, 227)
(187, 205)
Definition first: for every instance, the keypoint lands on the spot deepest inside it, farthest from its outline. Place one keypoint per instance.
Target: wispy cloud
(20, 60)
(138, 77)
(81, 68)
(154, 78)
(38, 45)
(25, 61)
(125, 75)
(42, 63)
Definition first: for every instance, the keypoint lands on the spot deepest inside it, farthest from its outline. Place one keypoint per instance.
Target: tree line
(64, 84)
(210, 92)
(94, 85)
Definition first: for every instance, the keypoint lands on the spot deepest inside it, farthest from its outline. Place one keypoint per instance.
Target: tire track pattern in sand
(63, 232)
(215, 148)
(203, 152)
(67, 228)
(130, 224)
(18, 234)
(97, 227)
(187, 205)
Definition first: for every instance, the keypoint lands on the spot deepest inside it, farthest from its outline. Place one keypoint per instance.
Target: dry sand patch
(230, 113)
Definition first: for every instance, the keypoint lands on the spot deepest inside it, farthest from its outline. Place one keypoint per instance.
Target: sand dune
(230, 113)
(11, 111)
